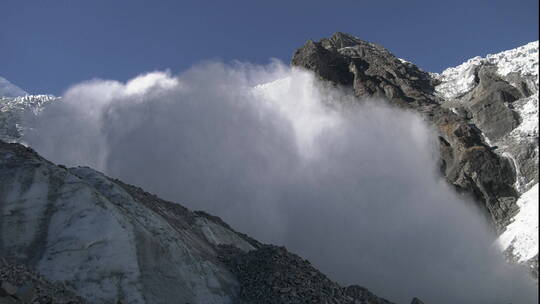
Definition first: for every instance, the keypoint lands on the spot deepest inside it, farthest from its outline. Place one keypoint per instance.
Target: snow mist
(355, 189)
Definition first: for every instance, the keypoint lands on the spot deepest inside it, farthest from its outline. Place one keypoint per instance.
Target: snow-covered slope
(7, 89)
(107, 239)
(110, 242)
(522, 61)
(518, 70)
(522, 234)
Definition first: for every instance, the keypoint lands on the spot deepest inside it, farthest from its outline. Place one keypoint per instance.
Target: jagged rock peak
(370, 69)
(374, 73)
(341, 40)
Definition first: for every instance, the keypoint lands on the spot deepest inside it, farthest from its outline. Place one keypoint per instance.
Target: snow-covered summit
(522, 61)
(7, 89)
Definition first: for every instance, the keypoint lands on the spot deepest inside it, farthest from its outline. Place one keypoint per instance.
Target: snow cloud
(275, 154)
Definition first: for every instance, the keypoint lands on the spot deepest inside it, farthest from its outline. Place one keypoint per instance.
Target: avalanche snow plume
(276, 154)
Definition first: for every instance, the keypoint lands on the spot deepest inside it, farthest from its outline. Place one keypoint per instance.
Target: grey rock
(468, 163)
(371, 69)
(271, 274)
(490, 104)
(26, 293)
(34, 288)
(364, 296)
(328, 64)
(8, 300)
(416, 301)
(8, 288)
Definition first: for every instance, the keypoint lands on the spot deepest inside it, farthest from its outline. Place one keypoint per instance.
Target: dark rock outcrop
(272, 275)
(417, 301)
(490, 104)
(466, 160)
(20, 285)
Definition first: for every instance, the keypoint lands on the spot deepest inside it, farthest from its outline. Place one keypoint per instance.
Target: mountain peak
(341, 40)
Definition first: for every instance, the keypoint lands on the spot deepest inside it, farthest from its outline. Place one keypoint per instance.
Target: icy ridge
(459, 80)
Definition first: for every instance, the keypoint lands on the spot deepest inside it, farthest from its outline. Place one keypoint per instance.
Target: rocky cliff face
(499, 93)
(483, 110)
(108, 241)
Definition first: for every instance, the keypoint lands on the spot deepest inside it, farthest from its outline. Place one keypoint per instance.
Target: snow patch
(459, 80)
(522, 234)
(528, 112)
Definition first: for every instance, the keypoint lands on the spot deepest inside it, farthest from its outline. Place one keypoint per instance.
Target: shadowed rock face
(417, 301)
(272, 275)
(20, 285)
(371, 69)
(466, 161)
(108, 241)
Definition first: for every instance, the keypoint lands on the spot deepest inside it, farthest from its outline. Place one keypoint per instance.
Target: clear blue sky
(48, 45)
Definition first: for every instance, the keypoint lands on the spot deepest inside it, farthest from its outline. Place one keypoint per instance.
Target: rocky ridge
(272, 275)
(484, 112)
(499, 93)
(108, 241)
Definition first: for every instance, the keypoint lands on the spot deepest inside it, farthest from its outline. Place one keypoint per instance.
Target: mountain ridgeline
(485, 111)
(466, 160)
(111, 242)
(76, 235)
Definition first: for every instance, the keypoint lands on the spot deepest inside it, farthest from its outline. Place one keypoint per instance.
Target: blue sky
(48, 45)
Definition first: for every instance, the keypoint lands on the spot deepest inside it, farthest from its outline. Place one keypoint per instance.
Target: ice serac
(486, 111)
(105, 241)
